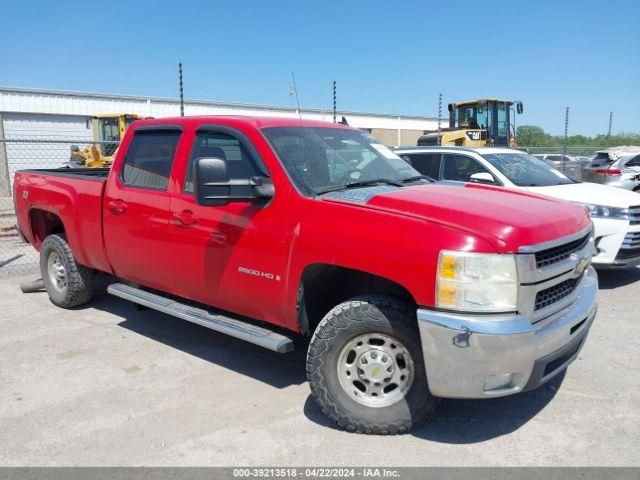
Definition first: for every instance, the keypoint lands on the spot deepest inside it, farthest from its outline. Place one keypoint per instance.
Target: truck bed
(72, 197)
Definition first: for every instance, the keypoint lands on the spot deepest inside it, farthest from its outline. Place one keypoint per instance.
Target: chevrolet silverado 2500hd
(271, 230)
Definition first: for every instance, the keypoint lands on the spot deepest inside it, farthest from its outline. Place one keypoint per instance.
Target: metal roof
(60, 94)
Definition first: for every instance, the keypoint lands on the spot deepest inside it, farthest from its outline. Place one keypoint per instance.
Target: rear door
(136, 208)
(426, 163)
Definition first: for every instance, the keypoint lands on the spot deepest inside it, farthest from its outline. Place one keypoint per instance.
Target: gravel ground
(113, 385)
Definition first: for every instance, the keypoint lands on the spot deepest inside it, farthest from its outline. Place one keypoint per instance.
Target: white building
(27, 113)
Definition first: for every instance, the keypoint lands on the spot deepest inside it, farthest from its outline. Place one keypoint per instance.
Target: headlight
(476, 282)
(600, 211)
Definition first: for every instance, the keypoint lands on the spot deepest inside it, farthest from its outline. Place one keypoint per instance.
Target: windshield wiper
(416, 178)
(360, 183)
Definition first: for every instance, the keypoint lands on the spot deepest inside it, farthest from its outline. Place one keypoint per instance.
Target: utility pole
(566, 137)
(610, 125)
(334, 102)
(439, 115)
(181, 89)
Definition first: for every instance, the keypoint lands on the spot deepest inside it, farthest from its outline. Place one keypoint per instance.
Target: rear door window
(426, 163)
(149, 159)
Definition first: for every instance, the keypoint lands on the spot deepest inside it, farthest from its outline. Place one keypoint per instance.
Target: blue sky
(390, 56)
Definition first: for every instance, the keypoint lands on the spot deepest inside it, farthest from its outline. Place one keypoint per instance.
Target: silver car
(623, 172)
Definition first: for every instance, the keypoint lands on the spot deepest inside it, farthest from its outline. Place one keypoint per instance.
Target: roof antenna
(295, 91)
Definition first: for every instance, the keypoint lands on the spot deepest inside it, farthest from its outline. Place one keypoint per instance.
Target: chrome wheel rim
(375, 370)
(57, 272)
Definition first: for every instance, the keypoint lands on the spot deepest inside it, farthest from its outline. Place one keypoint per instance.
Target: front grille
(634, 215)
(630, 247)
(625, 254)
(429, 141)
(551, 295)
(553, 255)
(631, 240)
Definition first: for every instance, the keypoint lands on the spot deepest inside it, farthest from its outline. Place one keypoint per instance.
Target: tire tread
(79, 278)
(333, 324)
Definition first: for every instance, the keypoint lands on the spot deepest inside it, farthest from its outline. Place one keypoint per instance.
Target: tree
(532, 136)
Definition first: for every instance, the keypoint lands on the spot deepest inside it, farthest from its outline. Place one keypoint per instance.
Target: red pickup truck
(402, 289)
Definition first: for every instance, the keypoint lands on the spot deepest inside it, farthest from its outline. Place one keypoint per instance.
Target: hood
(593, 193)
(508, 219)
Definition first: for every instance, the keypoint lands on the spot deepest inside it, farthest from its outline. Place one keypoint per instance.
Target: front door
(231, 256)
(459, 168)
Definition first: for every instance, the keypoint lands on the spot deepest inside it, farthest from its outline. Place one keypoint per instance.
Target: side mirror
(262, 188)
(519, 108)
(214, 188)
(482, 177)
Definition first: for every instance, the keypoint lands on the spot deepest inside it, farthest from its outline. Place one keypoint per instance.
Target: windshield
(319, 159)
(473, 116)
(525, 170)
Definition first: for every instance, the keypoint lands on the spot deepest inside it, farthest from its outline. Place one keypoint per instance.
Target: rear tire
(362, 348)
(68, 283)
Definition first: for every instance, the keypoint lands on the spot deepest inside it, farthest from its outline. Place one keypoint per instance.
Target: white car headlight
(476, 282)
(600, 211)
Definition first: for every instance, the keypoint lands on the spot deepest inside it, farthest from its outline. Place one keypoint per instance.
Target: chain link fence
(568, 160)
(17, 257)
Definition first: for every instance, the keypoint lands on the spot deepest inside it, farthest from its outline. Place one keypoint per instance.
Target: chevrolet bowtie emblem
(583, 263)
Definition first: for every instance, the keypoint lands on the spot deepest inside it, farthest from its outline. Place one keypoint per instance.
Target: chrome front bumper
(495, 355)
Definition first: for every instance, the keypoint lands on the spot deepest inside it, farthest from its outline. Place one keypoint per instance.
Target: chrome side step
(220, 323)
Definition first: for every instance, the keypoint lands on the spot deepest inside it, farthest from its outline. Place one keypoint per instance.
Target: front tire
(68, 283)
(365, 367)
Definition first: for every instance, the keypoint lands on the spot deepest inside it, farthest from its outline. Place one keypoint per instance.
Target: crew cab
(615, 211)
(291, 234)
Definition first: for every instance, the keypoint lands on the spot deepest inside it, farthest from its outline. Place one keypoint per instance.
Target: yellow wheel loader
(108, 130)
(477, 123)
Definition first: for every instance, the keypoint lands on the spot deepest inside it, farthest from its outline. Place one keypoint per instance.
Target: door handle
(185, 218)
(117, 206)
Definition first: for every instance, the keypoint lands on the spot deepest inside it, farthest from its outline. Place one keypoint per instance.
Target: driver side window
(220, 145)
(459, 168)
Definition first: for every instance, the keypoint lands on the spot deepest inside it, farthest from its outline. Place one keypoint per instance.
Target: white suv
(615, 212)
